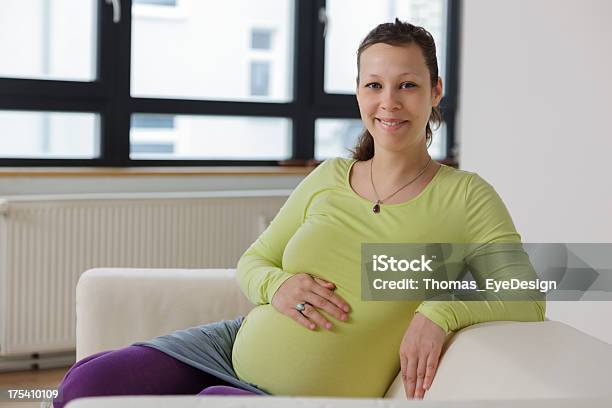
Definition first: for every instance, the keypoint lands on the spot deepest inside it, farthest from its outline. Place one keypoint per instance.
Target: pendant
(376, 208)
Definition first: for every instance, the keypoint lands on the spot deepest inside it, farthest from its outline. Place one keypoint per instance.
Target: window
(40, 39)
(208, 56)
(153, 136)
(209, 137)
(260, 78)
(262, 55)
(49, 134)
(261, 39)
(335, 137)
(193, 82)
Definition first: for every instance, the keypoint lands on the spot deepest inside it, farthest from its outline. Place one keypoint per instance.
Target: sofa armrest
(510, 360)
(116, 307)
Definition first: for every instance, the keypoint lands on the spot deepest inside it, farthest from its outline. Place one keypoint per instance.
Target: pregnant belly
(356, 358)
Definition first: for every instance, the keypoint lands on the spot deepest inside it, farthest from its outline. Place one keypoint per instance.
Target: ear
(436, 93)
(357, 86)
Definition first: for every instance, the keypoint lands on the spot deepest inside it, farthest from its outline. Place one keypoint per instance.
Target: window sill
(289, 168)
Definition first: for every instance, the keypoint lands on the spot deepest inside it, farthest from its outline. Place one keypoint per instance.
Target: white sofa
(491, 364)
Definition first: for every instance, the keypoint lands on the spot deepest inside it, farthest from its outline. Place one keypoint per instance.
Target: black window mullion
(44, 88)
(105, 52)
(55, 104)
(114, 65)
(348, 110)
(319, 51)
(449, 103)
(122, 107)
(304, 78)
(194, 107)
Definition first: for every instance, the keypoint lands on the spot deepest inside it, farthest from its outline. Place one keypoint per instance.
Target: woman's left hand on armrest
(419, 355)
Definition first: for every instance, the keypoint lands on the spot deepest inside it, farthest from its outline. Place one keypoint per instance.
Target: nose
(390, 100)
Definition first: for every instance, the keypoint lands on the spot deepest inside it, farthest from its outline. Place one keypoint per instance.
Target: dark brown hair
(400, 34)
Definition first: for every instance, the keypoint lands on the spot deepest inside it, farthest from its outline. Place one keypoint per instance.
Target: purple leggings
(137, 370)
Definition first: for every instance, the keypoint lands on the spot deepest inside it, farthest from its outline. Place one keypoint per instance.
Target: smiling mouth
(391, 125)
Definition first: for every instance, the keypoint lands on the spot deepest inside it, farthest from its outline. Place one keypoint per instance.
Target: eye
(376, 85)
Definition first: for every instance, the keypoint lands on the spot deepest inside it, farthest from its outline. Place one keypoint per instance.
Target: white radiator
(46, 242)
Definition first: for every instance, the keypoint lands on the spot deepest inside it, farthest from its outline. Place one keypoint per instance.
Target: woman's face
(395, 95)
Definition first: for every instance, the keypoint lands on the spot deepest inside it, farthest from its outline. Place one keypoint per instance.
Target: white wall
(535, 121)
(11, 186)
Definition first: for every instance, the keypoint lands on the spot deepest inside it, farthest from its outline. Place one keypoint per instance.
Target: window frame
(109, 95)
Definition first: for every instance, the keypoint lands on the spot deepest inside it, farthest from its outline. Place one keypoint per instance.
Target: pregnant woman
(311, 334)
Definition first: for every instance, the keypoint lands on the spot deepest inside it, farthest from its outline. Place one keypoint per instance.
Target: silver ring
(300, 307)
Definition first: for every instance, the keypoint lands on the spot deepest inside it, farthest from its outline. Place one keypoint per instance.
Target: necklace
(376, 207)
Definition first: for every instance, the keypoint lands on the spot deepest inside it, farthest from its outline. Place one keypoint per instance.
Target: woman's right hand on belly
(315, 293)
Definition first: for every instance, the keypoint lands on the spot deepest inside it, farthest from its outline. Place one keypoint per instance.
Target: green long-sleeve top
(319, 231)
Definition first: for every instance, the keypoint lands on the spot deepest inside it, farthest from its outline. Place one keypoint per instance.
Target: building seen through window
(156, 2)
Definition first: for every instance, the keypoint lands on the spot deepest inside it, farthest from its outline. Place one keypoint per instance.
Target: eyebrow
(402, 74)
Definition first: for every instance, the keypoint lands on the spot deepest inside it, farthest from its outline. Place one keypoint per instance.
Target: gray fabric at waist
(207, 347)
